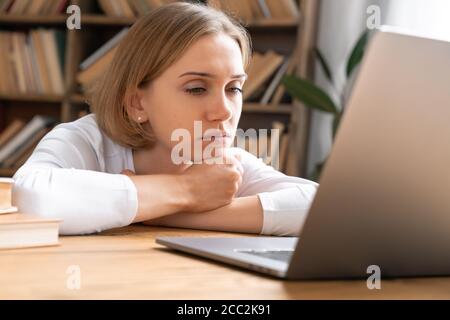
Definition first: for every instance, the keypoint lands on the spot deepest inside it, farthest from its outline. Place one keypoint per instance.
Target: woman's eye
(195, 91)
(236, 90)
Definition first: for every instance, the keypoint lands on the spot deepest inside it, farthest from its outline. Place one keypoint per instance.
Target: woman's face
(203, 85)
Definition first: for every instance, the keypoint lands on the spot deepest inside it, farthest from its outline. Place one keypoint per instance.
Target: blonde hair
(151, 45)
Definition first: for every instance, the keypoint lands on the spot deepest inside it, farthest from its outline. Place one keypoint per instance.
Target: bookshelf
(284, 35)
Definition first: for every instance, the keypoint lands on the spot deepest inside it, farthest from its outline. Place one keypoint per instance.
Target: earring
(139, 119)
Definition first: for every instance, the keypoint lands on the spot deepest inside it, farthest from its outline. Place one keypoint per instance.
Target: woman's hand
(201, 187)
(211, 186)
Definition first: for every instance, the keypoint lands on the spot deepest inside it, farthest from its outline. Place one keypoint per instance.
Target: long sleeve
(63, 179)
(285, 200)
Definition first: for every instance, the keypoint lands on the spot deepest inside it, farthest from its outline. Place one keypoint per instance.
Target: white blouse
(74, 175)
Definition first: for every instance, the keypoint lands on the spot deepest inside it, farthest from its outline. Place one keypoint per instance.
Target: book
(6, 5)
(10, 131)
(129, 8)
(291, 68)
(282, 9)
(100, 52)
(264, 8)
(26, 148)
(275, 82)
(139, 7)
(48, 38)
(87, 77)
(251, 10)
(6, 195)
(284, 143)
(260, 70)
(19, 230)
(125, 9)
(238, 9)
(31, 128)
(275, 138)
(22, 159)
(41, 61)
(33, 7)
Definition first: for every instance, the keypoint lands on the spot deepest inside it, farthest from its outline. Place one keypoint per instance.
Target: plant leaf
(317, 171)
(323, 63)
(357, 53)
(308, 93)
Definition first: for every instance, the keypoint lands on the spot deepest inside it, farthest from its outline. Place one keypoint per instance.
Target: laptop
(384, 195)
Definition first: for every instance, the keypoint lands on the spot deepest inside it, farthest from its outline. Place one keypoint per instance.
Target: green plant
(316, 98)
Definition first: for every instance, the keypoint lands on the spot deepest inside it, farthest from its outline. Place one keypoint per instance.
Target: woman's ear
(135, 106)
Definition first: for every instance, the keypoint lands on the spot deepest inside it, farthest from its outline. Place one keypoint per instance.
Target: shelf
(26, 19)
(31, 97)
(77, 98)
(248, 107)
(261, 108)
(273, 23)
(100, 19)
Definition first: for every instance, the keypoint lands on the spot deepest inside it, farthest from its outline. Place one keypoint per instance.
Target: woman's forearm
(243, 214)
(159, 195)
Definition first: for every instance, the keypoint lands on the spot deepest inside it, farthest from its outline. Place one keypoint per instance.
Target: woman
(179, 64)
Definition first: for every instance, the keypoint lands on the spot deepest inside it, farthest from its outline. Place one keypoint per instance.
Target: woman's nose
(220, 109)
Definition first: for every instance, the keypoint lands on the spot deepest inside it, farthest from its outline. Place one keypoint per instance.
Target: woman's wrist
(183, 193)
(159, 195)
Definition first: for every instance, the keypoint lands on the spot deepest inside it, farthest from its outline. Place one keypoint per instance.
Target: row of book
(19, 139)
(264, 73)
(247, 10)
(130, 8)
(33, 7)
(255, 10)
(32, 62)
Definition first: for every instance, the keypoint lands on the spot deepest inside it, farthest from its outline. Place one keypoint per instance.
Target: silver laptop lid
(384, 197)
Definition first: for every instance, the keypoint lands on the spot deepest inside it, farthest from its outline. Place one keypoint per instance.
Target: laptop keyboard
(280, 255)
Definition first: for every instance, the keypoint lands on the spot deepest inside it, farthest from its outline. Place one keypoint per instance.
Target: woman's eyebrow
(209, 75)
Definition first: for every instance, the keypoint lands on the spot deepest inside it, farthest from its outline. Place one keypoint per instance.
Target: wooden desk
(127, 264)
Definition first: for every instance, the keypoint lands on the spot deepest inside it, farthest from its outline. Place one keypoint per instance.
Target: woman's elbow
(31, 199)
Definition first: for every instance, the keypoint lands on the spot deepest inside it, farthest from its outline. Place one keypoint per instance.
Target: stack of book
(130, 8)
(19, 139)
(32, 62)
(255, 10)
(19, 230)
(33, 7)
